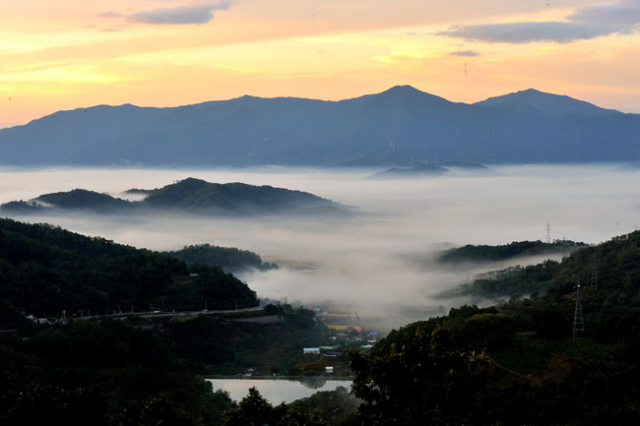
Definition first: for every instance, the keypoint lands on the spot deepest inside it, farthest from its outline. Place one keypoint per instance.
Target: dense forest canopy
(519, 363)
(45, 270)
(485, 253)
(189, 195)
(522, 362)
(228, 258)
(609, 264)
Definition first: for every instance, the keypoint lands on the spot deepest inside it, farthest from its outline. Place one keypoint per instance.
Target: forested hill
(228, 258)
(615, 265)
(186, 196)
(526, 362)
(486, 253)
(197, 194)
(45, 270)
(94, 369)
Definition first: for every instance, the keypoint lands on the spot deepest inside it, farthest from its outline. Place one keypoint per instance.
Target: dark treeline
(101, 373)
(148, 372)
(485, 253)
(137, 372)
(126, 371)
(228, 258)
(45, 270)
(514, 364)
(232, 347)
(519, 363)
(193, 196)
(613, 263)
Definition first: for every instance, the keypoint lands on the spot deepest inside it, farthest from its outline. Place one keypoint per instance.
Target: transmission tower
(594, 271)
(548, 233)
(578, 318)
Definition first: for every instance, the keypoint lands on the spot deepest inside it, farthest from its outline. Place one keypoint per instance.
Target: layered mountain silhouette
(393, 127)
(189, 195)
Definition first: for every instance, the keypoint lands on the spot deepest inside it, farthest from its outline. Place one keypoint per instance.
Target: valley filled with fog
(381, 260)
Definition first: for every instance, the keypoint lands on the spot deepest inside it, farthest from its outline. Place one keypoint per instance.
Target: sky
(59, 55)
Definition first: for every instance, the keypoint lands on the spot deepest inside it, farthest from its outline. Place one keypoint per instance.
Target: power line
(548, 233)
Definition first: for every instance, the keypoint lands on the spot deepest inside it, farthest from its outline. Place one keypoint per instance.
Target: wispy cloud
(624, 14)
(200, 13)
(464, 53)
(526, 32)
(585, 23)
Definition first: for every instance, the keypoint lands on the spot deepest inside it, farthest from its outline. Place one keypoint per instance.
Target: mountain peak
(388, 127)
(190, 182)
(545, 102)
(408, 95)
(402, 89)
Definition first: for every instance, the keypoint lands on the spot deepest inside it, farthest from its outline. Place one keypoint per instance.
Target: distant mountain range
(395, 127)
(189, 195)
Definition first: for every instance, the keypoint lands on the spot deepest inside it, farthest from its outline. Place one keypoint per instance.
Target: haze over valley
(381, 261)
(432, 206)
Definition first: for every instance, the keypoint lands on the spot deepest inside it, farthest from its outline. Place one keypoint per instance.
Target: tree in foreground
(254, 410)
(417, 378)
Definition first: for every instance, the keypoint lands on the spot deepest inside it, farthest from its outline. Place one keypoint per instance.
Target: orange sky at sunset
(57, 54)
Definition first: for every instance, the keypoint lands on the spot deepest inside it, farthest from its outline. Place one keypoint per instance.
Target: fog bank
(371, 262)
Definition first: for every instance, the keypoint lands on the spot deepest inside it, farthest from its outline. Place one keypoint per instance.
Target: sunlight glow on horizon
(55, 56)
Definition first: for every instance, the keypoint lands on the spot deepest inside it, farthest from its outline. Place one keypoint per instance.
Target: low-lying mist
(380, 262)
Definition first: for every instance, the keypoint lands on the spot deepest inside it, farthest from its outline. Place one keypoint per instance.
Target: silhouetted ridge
(546, 102)
(189, 196)
(392, 127)
(83, 199)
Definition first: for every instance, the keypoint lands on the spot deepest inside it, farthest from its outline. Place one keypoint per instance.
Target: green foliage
(231, 197)
(229, 259)
(519, 363)
(45, 270)
(419, 378)
(77, 199)
(105, 373)
(618, 270)
(22, 207)
(271, 309)
(81, 199)
(190, 195)
(254, 410)
(230, 347)
(337, 407)
(484, 253)
(302, 318)
(58, 237)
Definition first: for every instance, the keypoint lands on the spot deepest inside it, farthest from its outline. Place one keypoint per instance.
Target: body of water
(277, 391)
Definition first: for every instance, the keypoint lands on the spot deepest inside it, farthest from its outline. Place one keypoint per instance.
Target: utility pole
(578, 318)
